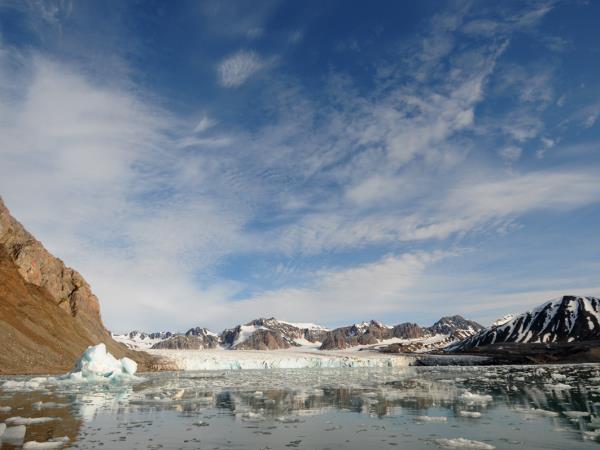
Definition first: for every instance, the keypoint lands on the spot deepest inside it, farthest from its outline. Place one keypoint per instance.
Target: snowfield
(279, 359)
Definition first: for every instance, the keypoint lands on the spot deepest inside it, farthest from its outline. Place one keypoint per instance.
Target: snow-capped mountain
(193, 339)
(565, 319)
(139, 340)
(271, 334)
(455, 326)
(368, 333)
(440, 334)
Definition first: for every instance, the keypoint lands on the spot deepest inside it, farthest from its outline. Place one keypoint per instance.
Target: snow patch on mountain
(305, 326)
(139, 340)
(502, 320)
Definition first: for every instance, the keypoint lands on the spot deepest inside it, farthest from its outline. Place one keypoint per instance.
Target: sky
(204, 163)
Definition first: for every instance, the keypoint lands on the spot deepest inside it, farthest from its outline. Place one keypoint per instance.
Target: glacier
(217, 359)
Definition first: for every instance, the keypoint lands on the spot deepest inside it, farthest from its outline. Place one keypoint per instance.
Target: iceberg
(96, 364)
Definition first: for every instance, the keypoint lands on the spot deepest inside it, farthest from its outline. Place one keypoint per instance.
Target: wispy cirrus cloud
(235, 70)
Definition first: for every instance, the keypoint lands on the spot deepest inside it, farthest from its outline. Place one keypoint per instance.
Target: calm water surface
(541, 407)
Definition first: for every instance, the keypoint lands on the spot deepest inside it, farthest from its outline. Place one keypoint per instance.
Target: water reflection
(504, 407)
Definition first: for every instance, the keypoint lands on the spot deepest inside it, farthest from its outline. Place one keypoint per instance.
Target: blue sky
(205, 163)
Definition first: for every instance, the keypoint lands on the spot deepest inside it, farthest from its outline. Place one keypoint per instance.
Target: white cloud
(367, 291)
(510, 154)
(547, 144)
(204, 124)
(468, 206)
(235, 70)
(218, 141)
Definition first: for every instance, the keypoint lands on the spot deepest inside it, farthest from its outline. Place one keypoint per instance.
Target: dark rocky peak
(566, 319)
(453, 324)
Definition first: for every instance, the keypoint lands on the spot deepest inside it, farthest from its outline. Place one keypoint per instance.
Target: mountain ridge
(565, 319)
(273, 334)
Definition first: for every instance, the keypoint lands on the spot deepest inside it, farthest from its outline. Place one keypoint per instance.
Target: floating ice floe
(48, 405)
(593, 435)
(472, 414)
(469, 397)
(558, 387)
(5, 409)
(435, 419)
(2, 429)
(464, 443)
(29, 420)
(51, 444)
(14, 435)
(25, 385)
(538, 412)
(576, 414)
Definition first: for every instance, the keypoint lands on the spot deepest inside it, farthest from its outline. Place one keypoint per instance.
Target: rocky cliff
(48, 313)
(194, 339)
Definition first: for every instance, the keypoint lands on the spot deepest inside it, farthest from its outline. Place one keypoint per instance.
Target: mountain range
(273, 334)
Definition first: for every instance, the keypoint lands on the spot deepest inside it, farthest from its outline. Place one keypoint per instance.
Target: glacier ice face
(278, 359)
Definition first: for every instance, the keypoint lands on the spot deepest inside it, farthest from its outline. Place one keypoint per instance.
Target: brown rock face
(48, 313)
(409, 331)
(368, 333)
(187, 343)
(263, 340)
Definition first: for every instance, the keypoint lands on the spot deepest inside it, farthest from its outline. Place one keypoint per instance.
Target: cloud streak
(236, 69)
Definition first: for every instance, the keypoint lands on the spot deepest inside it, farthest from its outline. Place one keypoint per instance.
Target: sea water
(502, 407)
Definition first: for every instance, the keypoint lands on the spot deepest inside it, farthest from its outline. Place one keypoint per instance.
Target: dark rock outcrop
(409, 331)
(456, 326)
